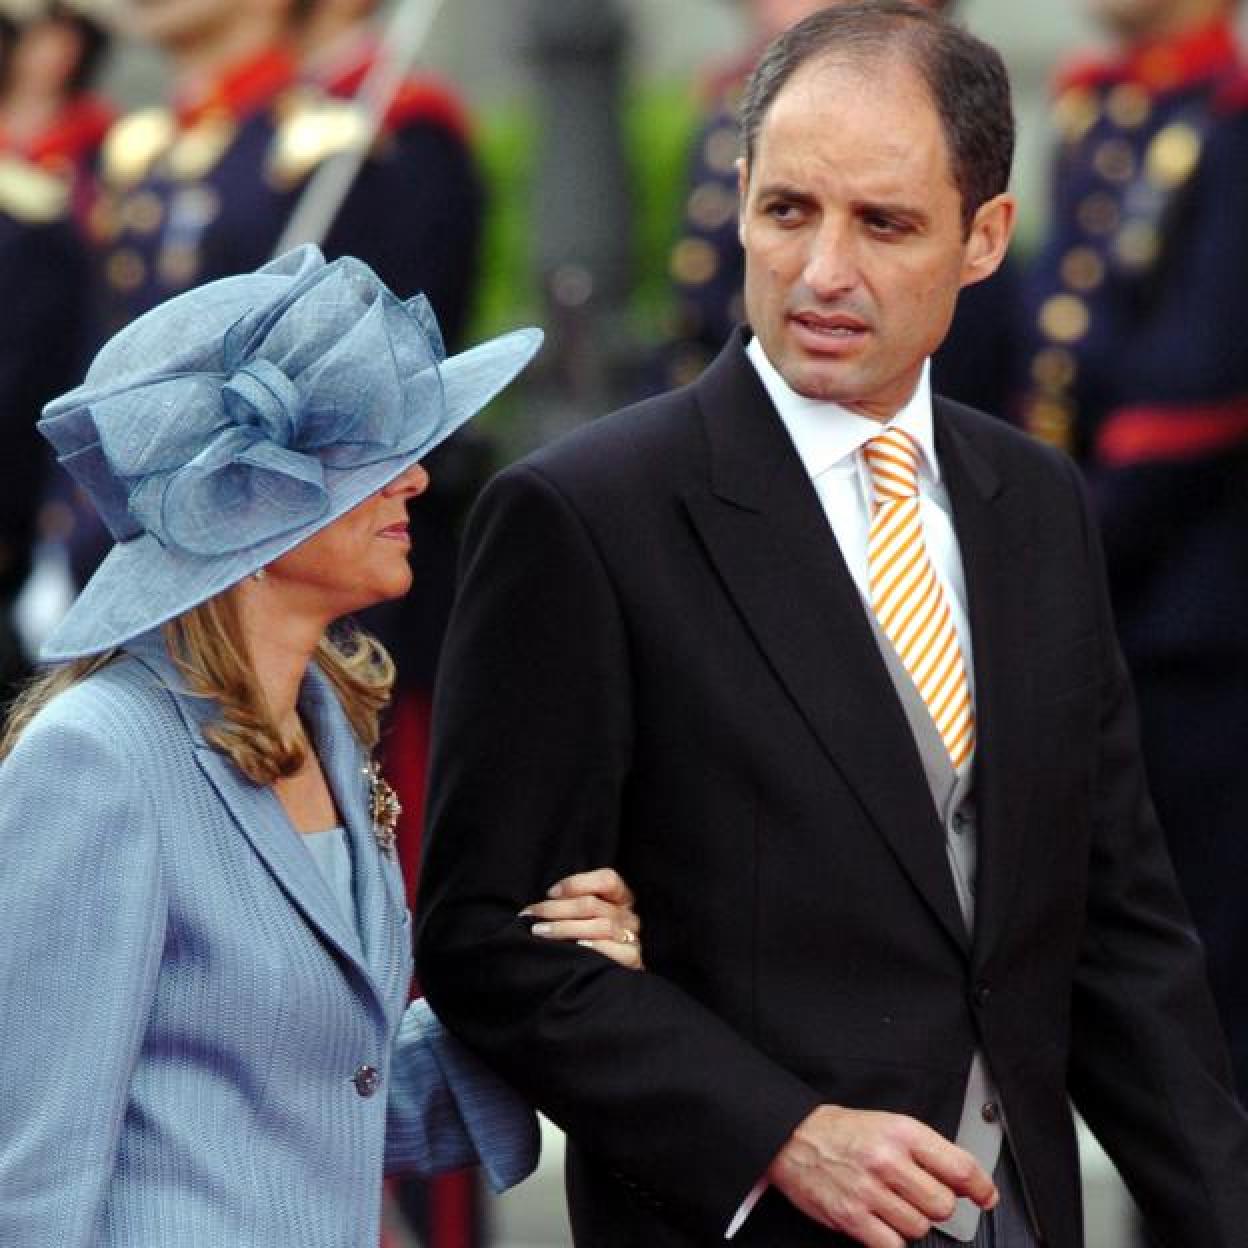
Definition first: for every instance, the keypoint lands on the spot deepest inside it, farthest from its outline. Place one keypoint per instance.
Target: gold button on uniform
(1051, 421)
(178, 264)
(693, 261)
(722, 149)
(1128, 105)
(125, 269)
(711, 206)
(1082, 269)
(104, 218)
(1064, 318)
(143, 212)
(1114, 160)
(1053, 368)
(1075, 113)
(1099, 213)
(1138, 244)
(1173, 155)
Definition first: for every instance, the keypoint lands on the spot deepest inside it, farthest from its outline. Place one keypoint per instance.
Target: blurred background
(569, 163)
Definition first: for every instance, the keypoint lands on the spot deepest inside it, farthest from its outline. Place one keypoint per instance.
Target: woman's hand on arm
(595, 909)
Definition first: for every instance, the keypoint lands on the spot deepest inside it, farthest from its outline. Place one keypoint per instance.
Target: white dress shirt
(829, 439)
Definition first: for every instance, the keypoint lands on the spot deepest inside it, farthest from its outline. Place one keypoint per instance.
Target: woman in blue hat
(206, 955)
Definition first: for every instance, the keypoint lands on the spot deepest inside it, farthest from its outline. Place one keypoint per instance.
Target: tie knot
(893, 460)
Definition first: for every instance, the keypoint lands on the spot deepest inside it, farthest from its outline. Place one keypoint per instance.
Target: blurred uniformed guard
(205, 188)
(978, 363)
(1140, 368)
(50, 127)
(51, 116)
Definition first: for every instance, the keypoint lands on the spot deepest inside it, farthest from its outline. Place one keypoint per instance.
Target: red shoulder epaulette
(244, 89)
(76, 133)
(424, 99)
(1199, 55)
(1083, 72)
(418, 99)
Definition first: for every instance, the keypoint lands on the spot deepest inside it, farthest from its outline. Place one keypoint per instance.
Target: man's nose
(831, 266)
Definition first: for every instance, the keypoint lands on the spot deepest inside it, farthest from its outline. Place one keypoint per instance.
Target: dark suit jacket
(659, 660)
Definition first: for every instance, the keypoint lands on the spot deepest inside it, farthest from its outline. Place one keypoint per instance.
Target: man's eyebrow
(898, 211)
(785, 190)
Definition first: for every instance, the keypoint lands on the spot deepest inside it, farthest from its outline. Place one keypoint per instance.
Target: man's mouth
(834, 325)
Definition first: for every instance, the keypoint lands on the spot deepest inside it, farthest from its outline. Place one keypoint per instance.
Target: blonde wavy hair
(209, 648)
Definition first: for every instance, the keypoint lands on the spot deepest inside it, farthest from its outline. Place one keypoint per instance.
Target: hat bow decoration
(216, 463)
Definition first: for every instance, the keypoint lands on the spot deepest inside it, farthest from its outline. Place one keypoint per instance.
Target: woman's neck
(281, 643)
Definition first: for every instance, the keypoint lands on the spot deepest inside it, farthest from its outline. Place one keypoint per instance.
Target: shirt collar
(825, 433)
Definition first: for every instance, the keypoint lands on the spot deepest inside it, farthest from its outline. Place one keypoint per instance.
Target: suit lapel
(263, 822)
(378, 892)
(991, 525)
(768, 538)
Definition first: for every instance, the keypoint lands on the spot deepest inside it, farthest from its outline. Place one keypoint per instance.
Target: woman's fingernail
(555, 890)
(542, 929)
(589, 944)
(528, 910)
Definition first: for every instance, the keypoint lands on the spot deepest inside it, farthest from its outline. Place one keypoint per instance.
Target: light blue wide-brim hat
(233, 422)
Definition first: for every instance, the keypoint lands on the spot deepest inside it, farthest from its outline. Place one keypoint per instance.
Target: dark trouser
(1007, 1226)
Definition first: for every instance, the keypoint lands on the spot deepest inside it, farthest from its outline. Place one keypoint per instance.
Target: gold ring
(630, 938)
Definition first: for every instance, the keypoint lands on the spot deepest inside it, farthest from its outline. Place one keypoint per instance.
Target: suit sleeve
(447, 1110)
(82, 916)
(1149, 1069)
(531, 771)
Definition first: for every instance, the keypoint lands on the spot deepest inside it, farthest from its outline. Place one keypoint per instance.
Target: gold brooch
(384, 808)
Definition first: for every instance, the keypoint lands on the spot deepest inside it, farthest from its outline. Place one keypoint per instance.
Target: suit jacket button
(366, 1080)
(983, 994)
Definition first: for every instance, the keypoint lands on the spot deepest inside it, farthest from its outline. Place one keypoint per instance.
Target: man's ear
(743, 186)
(989, 238)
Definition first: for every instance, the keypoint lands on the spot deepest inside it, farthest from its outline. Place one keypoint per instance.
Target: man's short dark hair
(965, 77)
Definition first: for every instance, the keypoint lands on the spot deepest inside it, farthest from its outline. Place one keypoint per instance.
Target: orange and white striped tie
(907, 597)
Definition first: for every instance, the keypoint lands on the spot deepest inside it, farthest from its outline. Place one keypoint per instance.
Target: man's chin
(817, 382)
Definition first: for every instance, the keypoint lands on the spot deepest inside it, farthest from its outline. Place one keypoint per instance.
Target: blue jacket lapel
(264, 823)
(379, 892)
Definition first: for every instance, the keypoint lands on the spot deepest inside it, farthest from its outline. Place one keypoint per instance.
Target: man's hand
(882, 1179)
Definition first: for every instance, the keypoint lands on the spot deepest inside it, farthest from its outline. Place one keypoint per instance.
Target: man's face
(853, 237)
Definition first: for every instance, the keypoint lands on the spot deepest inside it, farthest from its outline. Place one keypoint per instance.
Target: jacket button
(366, 1080)
(991, 1112)
(983, 994)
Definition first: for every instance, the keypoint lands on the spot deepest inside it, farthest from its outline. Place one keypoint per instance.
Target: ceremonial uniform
(206, 190)
(978, 363)
(1139, 366)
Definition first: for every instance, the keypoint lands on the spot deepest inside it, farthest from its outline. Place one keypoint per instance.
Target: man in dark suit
(825, 666)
